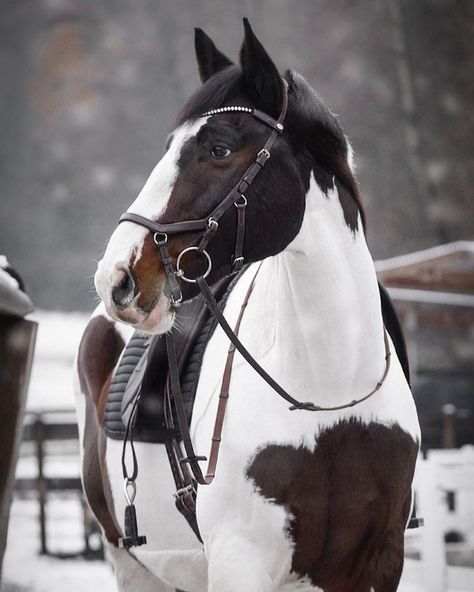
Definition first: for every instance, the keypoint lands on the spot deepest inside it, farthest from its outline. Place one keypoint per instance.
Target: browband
(260, 115)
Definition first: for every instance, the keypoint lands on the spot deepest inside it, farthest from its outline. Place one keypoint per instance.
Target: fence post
(41, 485)
(433, 551)
(17, 338)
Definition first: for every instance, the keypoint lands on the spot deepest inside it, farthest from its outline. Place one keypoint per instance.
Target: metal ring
(211, 223)
(130, 497)
(181, 272)
(241, 204)
(162, 241)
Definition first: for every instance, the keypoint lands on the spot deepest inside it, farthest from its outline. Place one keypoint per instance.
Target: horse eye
(220, 152)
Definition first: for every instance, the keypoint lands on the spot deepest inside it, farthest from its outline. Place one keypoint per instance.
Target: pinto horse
(308, 499)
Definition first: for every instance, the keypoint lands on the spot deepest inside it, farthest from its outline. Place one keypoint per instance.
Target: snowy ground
(24, 569)
(50, 388)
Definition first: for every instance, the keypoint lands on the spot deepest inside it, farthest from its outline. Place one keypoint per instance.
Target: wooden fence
(46, 431)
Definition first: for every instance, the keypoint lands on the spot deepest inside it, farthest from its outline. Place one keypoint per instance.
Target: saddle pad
(143, 367)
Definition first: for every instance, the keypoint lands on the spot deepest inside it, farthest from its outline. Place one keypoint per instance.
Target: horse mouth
(157, 317)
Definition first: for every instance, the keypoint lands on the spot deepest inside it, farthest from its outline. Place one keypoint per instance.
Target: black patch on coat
(348, 502)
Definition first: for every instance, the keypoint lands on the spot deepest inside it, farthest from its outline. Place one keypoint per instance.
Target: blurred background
(89, 91)
(92, 87)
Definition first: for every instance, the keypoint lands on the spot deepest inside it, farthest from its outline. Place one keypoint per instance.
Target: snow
(24, 569)
(57, 343)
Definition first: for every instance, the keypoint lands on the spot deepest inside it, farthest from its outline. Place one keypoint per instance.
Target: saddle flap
(133, 385)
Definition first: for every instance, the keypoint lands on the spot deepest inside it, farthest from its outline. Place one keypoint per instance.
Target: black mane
(313, 129)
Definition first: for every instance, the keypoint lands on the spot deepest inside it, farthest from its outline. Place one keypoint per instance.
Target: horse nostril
(124, 291)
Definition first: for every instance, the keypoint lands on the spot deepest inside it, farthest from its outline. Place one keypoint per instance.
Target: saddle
(143, 368)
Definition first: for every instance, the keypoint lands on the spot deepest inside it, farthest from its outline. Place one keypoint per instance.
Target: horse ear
(210, 60)
(261, 79)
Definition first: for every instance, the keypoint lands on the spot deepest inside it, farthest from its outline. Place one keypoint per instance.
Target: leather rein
(185, 497)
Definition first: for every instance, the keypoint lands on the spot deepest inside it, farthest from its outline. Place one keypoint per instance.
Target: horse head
(215, 143)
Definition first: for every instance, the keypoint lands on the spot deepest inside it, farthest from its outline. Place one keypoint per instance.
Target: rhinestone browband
(260, 115)
(227, 110)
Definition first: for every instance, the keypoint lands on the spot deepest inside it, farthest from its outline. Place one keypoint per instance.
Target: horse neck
(322, 305)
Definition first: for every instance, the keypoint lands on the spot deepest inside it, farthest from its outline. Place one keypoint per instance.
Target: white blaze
(128, 238)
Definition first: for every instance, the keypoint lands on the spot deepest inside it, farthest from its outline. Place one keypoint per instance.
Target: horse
(318, 497)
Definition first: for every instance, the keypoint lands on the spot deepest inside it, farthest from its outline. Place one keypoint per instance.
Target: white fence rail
(444, 486)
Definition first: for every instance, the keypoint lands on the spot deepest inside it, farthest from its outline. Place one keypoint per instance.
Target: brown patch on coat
(348, 501)
(99, 352)
(148, 274)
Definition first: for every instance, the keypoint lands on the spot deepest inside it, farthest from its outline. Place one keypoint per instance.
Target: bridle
(186, 494)
(210, 224)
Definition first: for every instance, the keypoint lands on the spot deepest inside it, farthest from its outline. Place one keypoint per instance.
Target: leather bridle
(210, 224)
(185, 497)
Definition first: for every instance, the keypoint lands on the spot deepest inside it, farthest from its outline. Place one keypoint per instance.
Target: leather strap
(192, 459)
(172, 286)
(185, 496)
(295, 404)
(238, 260)
(172, 228)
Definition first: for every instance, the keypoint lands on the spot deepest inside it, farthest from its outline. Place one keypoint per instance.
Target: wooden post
(17, 338)
(41, 485)
(434, 557)
(449, 412)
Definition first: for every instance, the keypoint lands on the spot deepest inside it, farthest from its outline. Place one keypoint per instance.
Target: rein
(185, 483)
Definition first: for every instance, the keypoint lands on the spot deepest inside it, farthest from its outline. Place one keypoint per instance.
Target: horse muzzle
(119, 289)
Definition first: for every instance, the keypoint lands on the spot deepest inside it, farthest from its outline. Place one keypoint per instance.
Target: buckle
(184, 491)
(190, 459)
(263, 156)
(237, 264)
(176, 302)
(212, 225)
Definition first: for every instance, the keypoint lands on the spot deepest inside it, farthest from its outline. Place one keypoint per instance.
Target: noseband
(210, 224)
